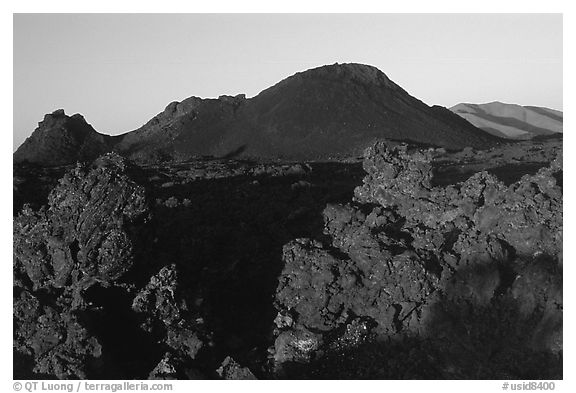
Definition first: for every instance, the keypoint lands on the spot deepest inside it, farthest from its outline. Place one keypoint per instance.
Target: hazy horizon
(119, 70)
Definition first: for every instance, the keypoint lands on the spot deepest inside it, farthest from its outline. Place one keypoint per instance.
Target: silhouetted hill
(61, 139)
(326, 112)
(510, 120)
(335, 110)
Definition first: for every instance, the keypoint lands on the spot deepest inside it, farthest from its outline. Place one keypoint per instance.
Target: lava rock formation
(467, 278)
(86, 237)
(61, 139)
(240, 270)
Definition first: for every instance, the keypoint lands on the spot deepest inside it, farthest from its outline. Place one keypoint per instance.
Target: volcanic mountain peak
(327, 112)
(361, 73)
(76, 125)
(340, 75)
(61, 139)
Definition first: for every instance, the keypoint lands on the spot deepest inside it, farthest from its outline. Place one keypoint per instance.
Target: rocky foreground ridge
(405, 280)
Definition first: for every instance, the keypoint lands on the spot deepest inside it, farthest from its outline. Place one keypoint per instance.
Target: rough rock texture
(414, 277)
(161, 301)
(325, 291)
(87, 235)
(61, 139)
(171, 367)
(447, 269)
(53, 336)
(165, 369)
(230, 369)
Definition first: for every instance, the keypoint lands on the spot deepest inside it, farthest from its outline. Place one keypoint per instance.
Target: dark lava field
(407, 263)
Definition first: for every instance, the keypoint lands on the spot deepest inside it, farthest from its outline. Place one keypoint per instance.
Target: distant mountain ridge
(329, 111)
(510, 120)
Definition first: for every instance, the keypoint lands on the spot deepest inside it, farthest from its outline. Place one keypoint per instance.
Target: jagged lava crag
(61, 139)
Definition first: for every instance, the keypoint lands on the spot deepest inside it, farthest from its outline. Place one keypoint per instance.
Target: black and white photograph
(287, 196)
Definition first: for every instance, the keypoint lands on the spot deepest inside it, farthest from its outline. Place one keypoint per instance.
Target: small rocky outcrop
(167, 314)
(230, 369)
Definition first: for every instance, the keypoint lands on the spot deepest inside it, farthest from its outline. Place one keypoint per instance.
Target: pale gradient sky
(119, 70)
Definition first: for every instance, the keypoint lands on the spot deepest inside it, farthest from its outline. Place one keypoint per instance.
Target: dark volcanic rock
(446, 269)
(165, 369)
(284, 270)
(230, 369)
(53, 337)
(61, 139)
(324, 291)
(89, 234)
(161, 301)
